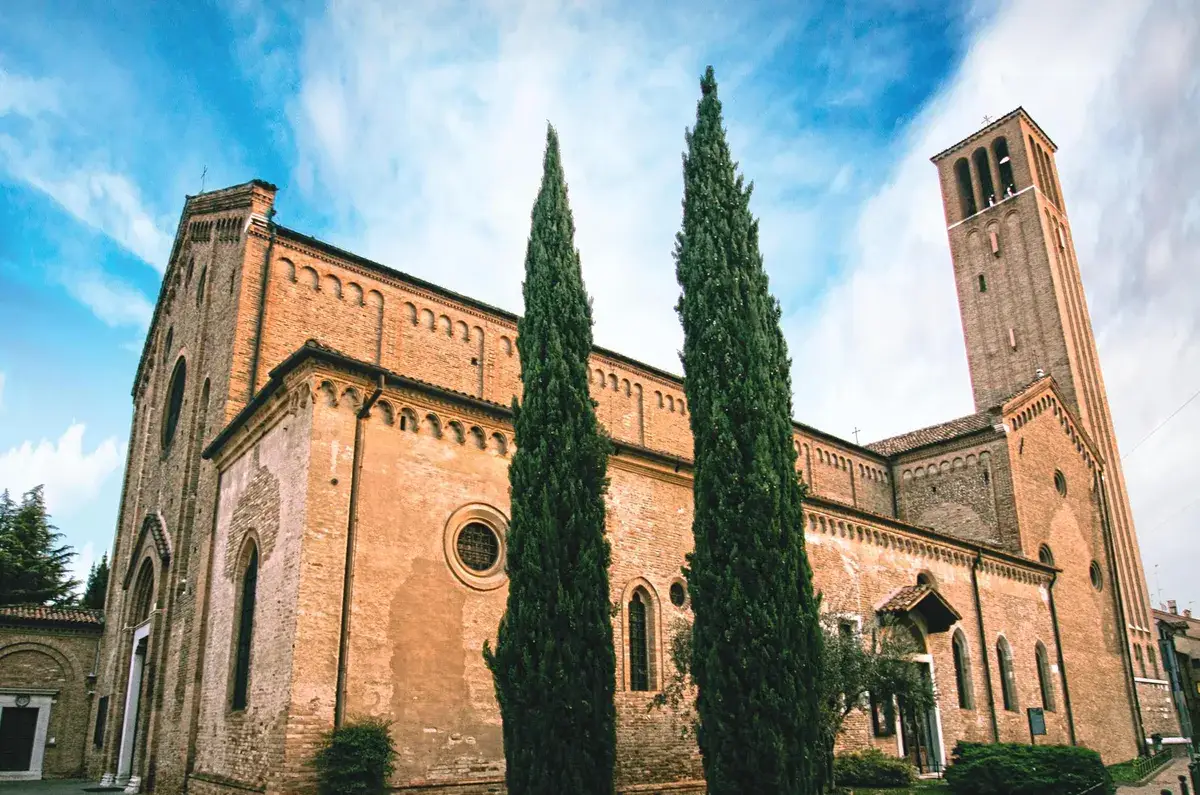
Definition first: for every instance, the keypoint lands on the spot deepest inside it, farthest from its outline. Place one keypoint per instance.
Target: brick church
(312, 526)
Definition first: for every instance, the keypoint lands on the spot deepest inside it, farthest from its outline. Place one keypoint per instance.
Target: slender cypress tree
(756, 650)
(97, 585)
(554, 664)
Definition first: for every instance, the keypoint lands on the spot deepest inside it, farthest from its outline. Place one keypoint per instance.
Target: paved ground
(56, 787)
(1168, 779)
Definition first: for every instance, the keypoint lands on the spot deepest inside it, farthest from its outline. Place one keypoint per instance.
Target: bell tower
(1021, 298)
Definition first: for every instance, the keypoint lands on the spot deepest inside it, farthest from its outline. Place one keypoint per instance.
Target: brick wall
(48, 658)
(962, 488)
(376, 315)
(200, 304)
(262, 502)
(1044, 442)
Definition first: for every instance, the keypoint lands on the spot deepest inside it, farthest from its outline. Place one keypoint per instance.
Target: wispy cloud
(113, 301)
(27, 96)
(72, 476)
(421, 129)
(44, 144)
(427, 145)
(107, 201)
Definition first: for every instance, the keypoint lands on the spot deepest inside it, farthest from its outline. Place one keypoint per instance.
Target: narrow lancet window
(245, 632)
(639, 643)
(966, 191)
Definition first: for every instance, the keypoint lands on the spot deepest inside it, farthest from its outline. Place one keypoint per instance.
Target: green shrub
(872, 768)
(356, 759)
(1014, 769)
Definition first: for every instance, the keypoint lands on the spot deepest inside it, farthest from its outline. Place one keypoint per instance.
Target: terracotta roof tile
(939, 614)
(52, 615)
(942, 432)
(905, 599)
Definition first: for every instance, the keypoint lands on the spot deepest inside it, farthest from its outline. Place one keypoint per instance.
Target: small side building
(1179, 636)
(47, 672)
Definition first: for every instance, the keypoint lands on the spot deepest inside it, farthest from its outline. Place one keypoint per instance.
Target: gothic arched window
(962, 672)
(174, 402)
(983, 171)
(640, 632)
(1000, 149)
(966, 191)
(1045, 683)
(1008, 680)
(143, 594)
(245, 631)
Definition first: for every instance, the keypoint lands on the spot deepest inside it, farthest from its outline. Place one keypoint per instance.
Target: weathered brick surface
(963, 488)
(50, 658)
(981, 502)
(262, 503)
(171, 487)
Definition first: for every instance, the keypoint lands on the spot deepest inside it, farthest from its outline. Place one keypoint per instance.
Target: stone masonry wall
(858, 564)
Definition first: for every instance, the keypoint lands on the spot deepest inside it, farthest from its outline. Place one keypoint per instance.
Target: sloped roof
(939, 614)
(942, 432)
(52, 615)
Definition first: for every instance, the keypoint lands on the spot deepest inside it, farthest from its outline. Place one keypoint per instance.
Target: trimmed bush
(1015, 769)
(872, 768)
(356, 759)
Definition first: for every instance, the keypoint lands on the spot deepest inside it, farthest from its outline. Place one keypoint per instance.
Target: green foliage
(1015, 769)
(678, 693)
(855, 667)
(356, 759)
(33, 563)
(97, 585)
(554, 664)
(1138, 768)
(873, 768)
(756, 642)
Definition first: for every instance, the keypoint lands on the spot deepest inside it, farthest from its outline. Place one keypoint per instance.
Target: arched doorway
(141, 607)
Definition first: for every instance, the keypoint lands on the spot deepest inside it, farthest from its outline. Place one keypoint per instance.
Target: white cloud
(72, 476)
(26, 96)
(420, 130)
(110, 299)
(51, 152)
(1117, 85)
(423, 128)
(107, 201)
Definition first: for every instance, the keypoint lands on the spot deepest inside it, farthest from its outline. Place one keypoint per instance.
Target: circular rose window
(474, 545)
(478, 547)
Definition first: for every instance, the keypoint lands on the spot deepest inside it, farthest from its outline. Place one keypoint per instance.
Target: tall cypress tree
(96, 589)
(756, 650)
(554, 664)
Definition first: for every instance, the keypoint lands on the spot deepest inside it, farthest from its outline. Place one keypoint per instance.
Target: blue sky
(411, 133)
